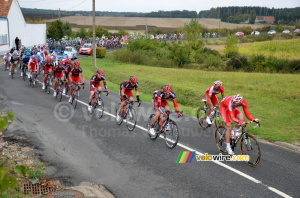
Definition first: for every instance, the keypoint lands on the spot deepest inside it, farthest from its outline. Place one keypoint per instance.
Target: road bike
(168, 127)
(128, 112)
(14, 65)
(23, 70)
(47, 85)
(75, 94)
(32, 80)
(248, 144)
(59, 85)
(97, 104)
(201, 116)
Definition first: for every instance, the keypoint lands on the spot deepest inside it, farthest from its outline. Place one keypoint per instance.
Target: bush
(237, 62)
(213, 61)
(294, 66)
(100, 52)
(256, 63)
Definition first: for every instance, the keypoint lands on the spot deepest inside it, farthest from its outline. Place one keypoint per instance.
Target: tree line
(233, 14)
(237, 14)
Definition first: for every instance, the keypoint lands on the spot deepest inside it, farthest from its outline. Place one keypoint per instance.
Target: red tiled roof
(265, 18)
(5, 7)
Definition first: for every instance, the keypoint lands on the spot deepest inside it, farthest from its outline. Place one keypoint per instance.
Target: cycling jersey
(95, 82)
(210, 92)
(226, 108)
(33, 64)
(75, 74)
(127, 88)
(26, 59)
(58, 71)
(14, 58)
(160, 100)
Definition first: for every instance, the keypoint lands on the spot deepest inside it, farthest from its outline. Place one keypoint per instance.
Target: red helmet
(72, 64)
(100, 71)
(167, 88)
(60, 63)
(217, 83)
(133, 79)
(48, 60)
(77, 63)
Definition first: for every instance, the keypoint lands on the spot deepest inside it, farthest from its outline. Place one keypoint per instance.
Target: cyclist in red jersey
(58, 73)
(48, 67)
(74, 77)
(34, 66)
(212, 99)
(160, 102)
(67, 71)
(228, 109)
(95, 84)
(126, 92)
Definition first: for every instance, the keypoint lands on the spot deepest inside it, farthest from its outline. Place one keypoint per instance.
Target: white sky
(152, 5)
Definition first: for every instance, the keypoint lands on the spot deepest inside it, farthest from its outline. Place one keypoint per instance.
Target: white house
(13, 24)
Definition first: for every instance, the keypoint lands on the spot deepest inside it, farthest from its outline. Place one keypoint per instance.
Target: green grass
(274, 98)
(284, 49)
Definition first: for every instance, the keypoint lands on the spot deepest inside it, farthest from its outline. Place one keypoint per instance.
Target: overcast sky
(152, 5)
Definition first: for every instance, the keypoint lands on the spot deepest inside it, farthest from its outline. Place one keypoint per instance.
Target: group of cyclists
(69, 72)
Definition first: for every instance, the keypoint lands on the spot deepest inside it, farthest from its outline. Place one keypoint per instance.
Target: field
(270, 97)
(139, 22)
(289, 49)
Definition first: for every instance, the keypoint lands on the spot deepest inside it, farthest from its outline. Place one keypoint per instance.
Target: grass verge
(274, 98)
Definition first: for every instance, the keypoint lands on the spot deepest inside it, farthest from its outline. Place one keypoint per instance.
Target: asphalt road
(129, 164)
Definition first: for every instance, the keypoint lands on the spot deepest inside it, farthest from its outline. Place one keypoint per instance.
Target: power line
(77, 5)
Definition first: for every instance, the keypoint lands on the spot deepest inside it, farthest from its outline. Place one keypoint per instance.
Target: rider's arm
(234, 119)
(83, 79)
(104, 83)
(247, 114)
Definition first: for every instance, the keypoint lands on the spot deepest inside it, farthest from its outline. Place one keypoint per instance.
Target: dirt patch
(138, 22)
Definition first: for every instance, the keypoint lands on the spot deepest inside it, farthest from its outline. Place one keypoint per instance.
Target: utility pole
(59, 13)
(94, 35)
(146, 27)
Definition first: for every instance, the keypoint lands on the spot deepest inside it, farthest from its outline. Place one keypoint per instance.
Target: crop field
(270, 97)
(289, 49)
(138, 22)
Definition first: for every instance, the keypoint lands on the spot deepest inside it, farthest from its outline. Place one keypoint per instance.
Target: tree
(252, 17)
(99, 31)
(67, 29)
(81, 33)
(231, 48)
(192, 30)
(55, 30)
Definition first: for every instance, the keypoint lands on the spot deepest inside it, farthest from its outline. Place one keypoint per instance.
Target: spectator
(17, 42)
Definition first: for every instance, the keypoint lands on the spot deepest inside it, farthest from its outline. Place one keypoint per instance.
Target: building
(13, 24)
(265, 19)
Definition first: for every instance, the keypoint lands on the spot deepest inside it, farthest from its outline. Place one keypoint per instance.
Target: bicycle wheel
(218, 121)
(12, 73)
(152, 137)
(249, 146)
(59, 94)
(48, 88)
(171, 134)
(220, 139)
(24, 74)
(131, 119)
(75, 98)
(121, 114)
(201, 114)
(100, 108)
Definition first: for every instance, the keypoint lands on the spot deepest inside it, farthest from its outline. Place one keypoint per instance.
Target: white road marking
(199, 153)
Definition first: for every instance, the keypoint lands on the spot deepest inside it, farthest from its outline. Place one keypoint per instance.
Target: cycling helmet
(48, 60)
(27, 54)
(236, 99)
(133, 79)
(77, 63)
(217, 83)
(100, 71)
(167, 88)
(60, 63)
(33, 56)
(15, 53)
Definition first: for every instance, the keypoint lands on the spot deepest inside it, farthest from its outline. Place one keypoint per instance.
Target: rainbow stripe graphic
(185, 157)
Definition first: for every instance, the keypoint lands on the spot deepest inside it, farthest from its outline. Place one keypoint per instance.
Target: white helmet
(15, 53)
(217, 83)
(236, 99)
